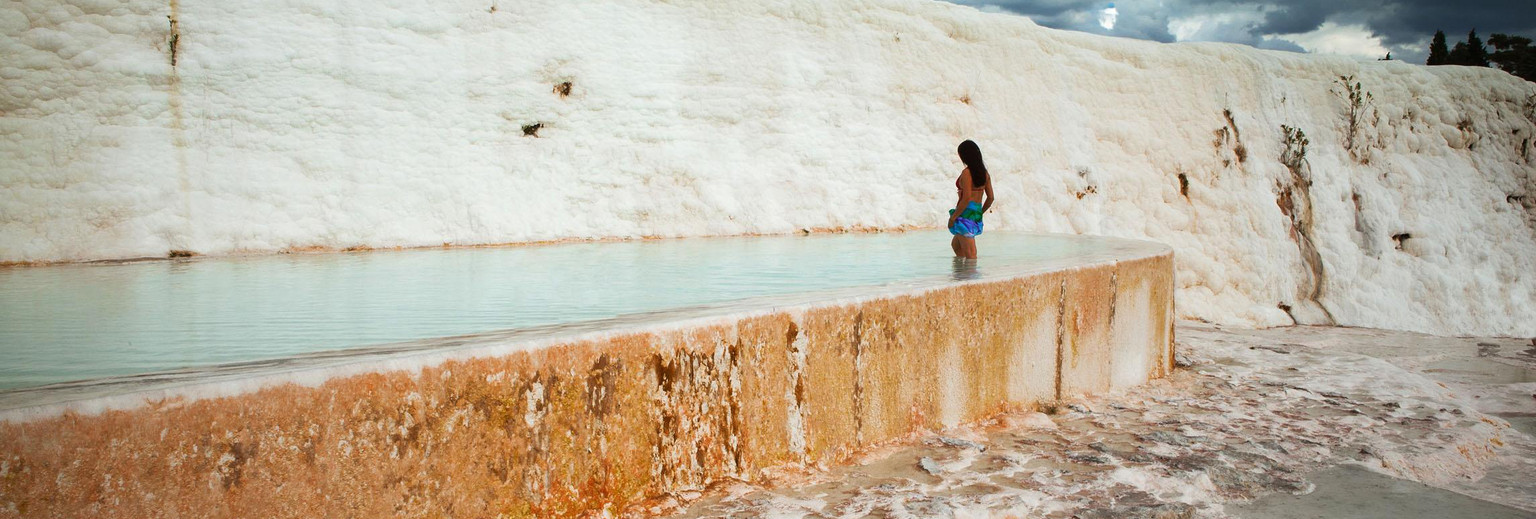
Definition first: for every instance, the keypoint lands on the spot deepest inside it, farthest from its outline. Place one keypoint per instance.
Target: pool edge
(122, 393)
(603, 419)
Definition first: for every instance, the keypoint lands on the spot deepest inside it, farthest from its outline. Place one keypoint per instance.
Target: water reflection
(964, 269)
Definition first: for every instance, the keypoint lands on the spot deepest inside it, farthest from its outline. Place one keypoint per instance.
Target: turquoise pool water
(77, 322)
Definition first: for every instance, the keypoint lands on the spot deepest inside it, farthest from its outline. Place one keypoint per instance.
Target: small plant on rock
(1530, 108)
(1358, 114)
(1295, 153)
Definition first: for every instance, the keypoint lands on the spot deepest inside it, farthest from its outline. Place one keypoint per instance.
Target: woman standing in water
(975, 187)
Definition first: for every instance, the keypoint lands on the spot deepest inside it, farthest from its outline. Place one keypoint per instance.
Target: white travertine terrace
(132, 391)
(560, 421)
(136, 128)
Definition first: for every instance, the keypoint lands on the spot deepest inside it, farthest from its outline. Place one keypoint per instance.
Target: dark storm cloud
(1488, 17)
(1141, 20)
(1404, 26)
(1302, 16)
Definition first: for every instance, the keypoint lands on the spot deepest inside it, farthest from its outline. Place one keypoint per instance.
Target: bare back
(965, 188)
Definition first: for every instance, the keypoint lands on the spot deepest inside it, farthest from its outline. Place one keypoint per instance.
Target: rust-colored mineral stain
(1061, 336)
(588, 426)
(602, 379)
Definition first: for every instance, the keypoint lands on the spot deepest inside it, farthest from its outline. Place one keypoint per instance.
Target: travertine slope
(138, 128)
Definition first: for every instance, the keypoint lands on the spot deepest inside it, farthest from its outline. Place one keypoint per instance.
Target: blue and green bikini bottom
(969, 222)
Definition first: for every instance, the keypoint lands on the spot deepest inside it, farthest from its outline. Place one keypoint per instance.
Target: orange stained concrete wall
(591, 425)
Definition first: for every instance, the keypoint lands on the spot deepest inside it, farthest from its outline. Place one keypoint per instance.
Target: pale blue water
(75, 322)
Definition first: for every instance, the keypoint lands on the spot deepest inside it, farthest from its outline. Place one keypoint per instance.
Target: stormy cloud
(1360, 28)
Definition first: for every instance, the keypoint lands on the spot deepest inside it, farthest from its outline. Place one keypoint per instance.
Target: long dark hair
(970, 154)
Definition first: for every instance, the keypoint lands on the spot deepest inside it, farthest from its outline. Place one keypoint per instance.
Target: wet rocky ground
(1258, 423)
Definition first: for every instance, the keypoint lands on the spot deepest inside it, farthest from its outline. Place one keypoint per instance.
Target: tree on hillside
(1458, 55)
(1514, 54)
(1437, 53)
(1477, 55)
(1470, 53)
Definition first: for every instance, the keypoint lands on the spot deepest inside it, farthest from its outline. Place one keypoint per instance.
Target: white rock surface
(292, 125)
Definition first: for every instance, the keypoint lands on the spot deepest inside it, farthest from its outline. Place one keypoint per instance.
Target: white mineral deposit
(1223, 281)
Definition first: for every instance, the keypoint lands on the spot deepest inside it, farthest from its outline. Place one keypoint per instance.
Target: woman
(975, 187)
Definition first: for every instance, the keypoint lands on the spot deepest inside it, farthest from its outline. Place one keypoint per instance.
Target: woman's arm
(990, 198)
(965, 179)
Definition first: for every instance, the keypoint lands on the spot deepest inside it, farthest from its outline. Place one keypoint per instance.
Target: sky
(1365, 29)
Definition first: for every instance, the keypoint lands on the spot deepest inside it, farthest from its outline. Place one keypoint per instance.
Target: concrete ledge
(602, 422)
